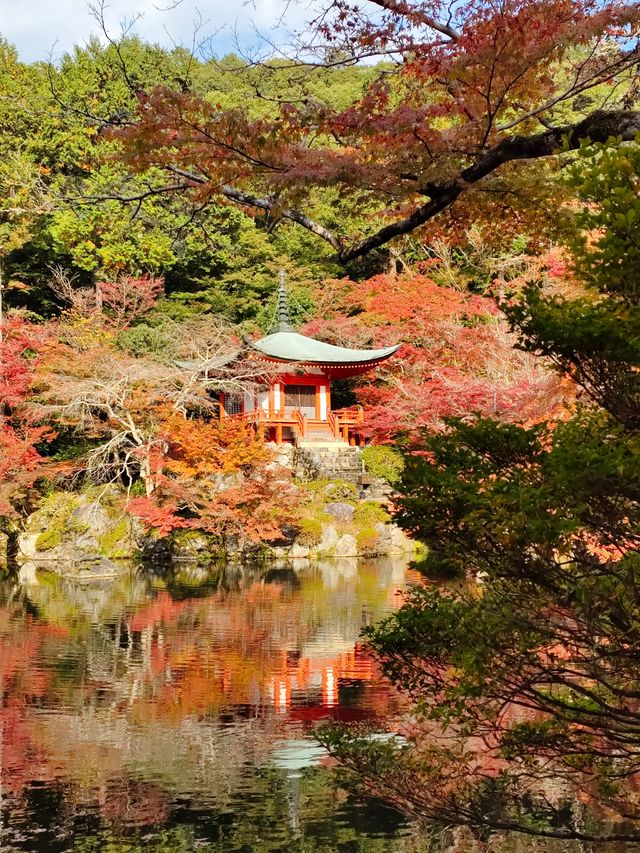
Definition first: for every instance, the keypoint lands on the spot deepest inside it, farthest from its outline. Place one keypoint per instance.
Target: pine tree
(526, 686)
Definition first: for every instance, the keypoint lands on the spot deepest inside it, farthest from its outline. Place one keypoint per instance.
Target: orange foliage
(198, 449)
(216, 477)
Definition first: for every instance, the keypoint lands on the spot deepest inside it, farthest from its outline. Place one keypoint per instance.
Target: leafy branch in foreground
(519, 81)
(525, 688)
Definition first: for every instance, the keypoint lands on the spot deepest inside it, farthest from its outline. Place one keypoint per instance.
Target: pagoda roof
(290, 346)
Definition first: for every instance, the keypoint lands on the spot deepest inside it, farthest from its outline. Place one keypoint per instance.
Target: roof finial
(282, 323)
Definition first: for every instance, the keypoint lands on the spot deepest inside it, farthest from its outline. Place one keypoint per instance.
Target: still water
(174, 710)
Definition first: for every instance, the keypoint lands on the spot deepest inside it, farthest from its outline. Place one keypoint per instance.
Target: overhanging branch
(403, 9)
(598, 127)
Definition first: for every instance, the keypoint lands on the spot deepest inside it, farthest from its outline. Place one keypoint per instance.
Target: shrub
(310, 532)
(340, 490)
(367, 539)
(384, 462)
(369, 514)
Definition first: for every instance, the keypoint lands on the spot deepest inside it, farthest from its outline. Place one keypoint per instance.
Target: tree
(457, 355)
(113, 404)
(152, 421)
(216, 477)
(20, 462)
(525, 690)
(477, 94)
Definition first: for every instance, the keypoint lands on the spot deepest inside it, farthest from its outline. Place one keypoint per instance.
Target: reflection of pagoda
(295, 405)
(309, 687)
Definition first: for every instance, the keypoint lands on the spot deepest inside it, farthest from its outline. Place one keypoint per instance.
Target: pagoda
(294, 404)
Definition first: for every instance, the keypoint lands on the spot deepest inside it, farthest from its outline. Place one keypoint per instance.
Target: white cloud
(37, 27)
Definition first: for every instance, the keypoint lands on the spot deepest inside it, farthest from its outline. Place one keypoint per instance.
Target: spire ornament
(282, 323)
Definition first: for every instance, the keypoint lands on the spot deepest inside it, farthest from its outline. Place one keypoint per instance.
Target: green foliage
(608, 179)
(547, 519)
(70, 200)
(310, 532)
(362, 524)
(103, 238)
(144, 339)
(66, 446)
(323, 490)
(370, 513)
(385, 462)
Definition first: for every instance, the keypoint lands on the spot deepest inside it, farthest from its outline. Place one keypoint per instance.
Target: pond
(174, 709)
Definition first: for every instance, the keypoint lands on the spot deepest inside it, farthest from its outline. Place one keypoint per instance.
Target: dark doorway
(301, 397)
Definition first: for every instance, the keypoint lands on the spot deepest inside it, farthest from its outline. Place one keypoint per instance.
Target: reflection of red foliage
(229, 650)
(24, 680)
(163, 608)
(264, 651)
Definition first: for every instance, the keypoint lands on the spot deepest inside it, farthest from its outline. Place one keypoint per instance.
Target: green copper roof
(291, 346)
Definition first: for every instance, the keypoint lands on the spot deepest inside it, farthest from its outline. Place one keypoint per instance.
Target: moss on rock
(115, 542)
(75, 529)
(49, 539)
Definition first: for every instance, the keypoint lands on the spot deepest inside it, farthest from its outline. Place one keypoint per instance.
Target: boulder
(278, 552)
(299, 552)
(80, 534)
(392, 540)
(401, 541)
(341, 511)
(346, 546)
(329, 540)
(190, 545)
(283, 456)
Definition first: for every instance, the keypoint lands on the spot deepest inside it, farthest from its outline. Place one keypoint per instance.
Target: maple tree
(154, 422)
(457, 356)
(215, 477)
(20, 461)
(118, 302)
(478, 91)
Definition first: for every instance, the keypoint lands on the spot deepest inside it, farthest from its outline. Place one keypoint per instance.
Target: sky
(43, 28)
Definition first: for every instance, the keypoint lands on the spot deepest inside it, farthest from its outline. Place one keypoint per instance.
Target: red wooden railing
(333, 424)
(301, 423)
(351, 415)
(342, 423)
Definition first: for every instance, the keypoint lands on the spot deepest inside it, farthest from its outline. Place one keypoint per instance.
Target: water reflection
(174, 709)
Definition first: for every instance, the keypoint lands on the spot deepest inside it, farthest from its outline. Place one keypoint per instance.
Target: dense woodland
(464, 180)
